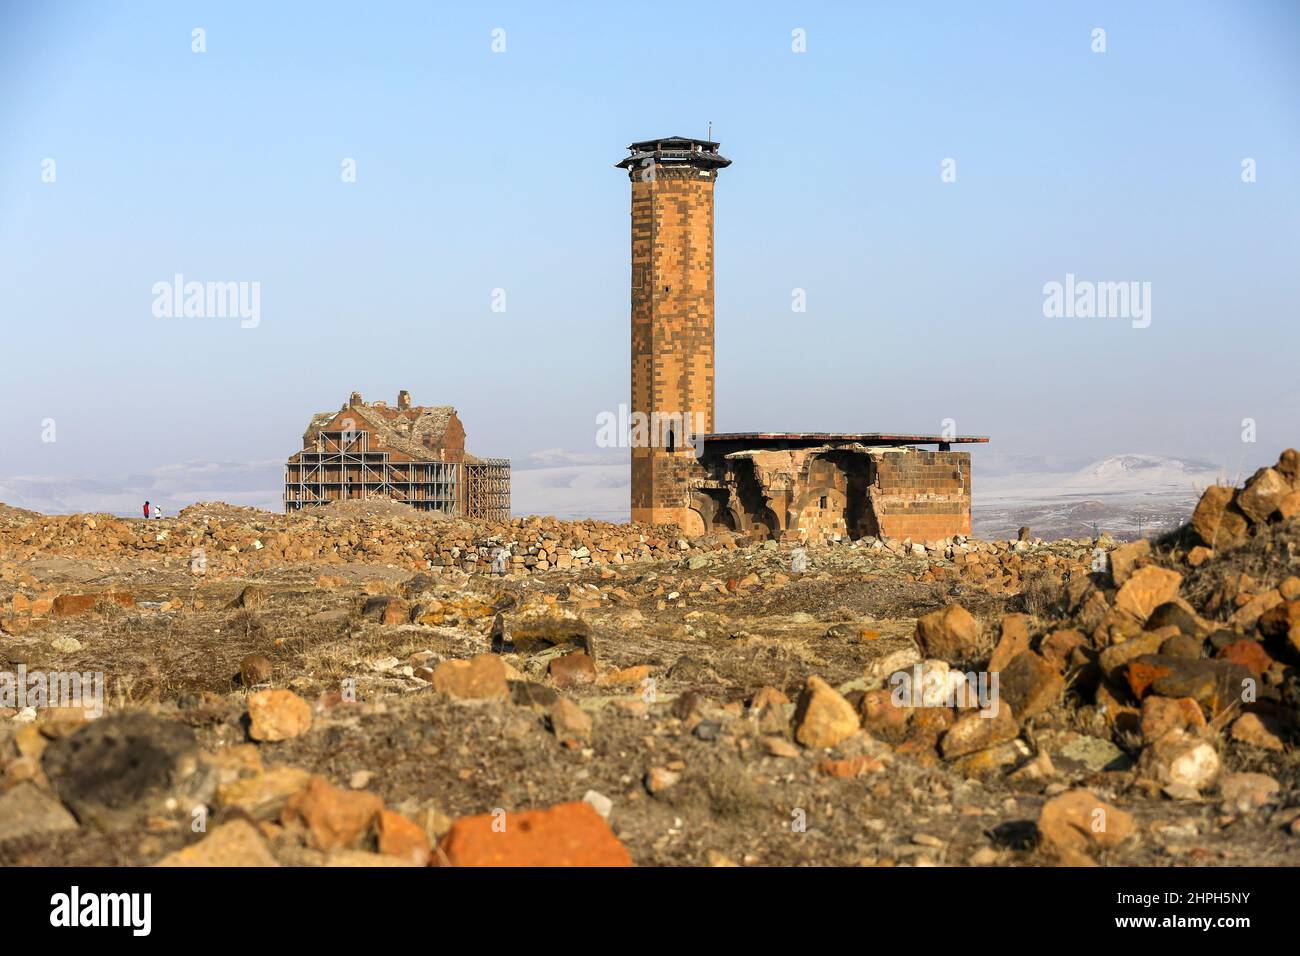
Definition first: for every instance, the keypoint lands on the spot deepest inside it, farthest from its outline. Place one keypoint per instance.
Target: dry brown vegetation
(728, 637)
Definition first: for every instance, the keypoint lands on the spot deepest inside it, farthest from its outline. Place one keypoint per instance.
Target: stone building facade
(765, 484)
(412, 454)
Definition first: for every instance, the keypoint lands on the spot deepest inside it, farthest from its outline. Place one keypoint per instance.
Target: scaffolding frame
(342, 467)
(487, 489)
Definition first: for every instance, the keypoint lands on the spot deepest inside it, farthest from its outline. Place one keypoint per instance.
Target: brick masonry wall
(924, 495)
(672, 327)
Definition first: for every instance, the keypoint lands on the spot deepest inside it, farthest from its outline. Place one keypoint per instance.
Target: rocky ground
(357, 687)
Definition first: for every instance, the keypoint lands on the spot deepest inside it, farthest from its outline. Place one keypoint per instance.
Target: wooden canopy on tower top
(675, 150)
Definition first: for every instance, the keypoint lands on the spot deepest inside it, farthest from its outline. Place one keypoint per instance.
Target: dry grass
(733, 796)
(1040, 594)
(1269, 557)
(734, 793)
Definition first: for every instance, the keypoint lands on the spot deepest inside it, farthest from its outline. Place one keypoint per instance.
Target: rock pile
(220, 539)
(239, 541)
(1226, 517)
(1177, 653)
(113, 772)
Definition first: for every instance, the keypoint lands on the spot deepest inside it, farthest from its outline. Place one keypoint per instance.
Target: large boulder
(1078, 823)
(570, 834)
(1030, 685)
(1181, 759)
(333, 818)
(951, 634)
(118, 767)
(1217, 521)
(482, 677)
(539, 628)
(822, 717)
(26, 810)
(277, 715)
(236, 843)
(1262, 495)
(1146, 589)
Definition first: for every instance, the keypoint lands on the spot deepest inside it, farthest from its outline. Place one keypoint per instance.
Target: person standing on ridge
(146, 511)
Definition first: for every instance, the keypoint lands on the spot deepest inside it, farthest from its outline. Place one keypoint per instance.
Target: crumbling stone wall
(833, 496)
(828, 491)
(409, 453)
(923, 495)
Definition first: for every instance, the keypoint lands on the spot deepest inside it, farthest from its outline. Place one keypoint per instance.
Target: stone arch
(757, 517)
(714, 507)
(836, 494)
(695, 525)
(724, 519)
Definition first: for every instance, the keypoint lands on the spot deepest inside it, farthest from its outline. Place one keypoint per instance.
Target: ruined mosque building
(408, 453)
(778, 484)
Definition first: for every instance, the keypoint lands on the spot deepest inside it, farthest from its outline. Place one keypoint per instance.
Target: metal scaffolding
(487, 489)
(342, 467)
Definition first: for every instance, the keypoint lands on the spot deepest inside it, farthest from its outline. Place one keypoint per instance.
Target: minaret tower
(672, 317)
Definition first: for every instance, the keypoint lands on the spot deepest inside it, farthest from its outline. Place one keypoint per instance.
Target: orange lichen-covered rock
(568, 834)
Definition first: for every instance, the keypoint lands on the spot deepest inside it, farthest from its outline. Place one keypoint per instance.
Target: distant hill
(1121, 494)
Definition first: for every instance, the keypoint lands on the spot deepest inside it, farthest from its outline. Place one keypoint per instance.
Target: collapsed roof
(418, 431)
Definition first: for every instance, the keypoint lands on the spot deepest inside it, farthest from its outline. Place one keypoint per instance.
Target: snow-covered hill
(1116, 475)
(1123, 494)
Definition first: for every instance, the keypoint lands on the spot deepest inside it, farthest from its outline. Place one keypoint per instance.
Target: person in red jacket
(146, 511)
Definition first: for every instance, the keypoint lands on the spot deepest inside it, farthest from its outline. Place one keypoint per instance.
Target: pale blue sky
(479, 170)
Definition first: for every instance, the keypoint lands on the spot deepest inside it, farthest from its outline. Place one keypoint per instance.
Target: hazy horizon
(921, 175)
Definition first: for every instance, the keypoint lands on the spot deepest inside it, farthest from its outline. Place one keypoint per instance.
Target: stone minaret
(672, 317)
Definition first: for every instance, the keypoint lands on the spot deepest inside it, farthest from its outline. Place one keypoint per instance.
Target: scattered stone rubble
(216, 540)
(1076, 701)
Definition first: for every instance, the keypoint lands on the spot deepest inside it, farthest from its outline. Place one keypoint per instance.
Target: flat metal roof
(701, 153)
(647, 144)
(866, 438)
